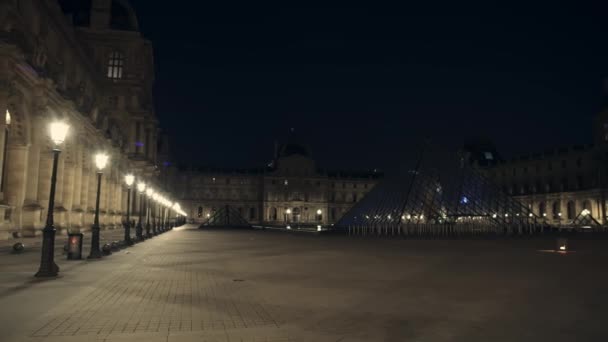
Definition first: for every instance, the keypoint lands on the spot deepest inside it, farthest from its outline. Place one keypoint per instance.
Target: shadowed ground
(235, 285)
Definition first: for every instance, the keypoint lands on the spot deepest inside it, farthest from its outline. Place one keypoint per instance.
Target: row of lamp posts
(160, 218)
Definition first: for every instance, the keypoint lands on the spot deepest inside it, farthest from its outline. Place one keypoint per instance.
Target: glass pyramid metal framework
(441, 195)
(226, 217)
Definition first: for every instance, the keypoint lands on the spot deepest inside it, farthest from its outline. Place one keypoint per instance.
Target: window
(200, 211)
(354, 198)
(542, 209)
(571, 210)
(556, 209)
(251, 213)
(115, 65)
(273, 214)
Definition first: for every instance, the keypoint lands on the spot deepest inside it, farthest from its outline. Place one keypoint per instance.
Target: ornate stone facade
(290, 190)
(557, 184)
(84, 62)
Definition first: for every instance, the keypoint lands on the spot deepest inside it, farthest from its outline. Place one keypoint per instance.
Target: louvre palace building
(556, 184)
(84, 63)
(291, 190)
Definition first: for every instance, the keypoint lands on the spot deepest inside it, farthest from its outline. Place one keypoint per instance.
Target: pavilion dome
(121, 15)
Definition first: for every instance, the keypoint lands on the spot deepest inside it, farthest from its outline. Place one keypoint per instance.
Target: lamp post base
(95, 251)
(95, 255)
(48, 267)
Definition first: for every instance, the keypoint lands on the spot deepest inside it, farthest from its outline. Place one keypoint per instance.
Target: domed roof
(122, 16)
(291, 148)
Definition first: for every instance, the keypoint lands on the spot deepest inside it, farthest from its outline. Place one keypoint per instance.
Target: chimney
(100, 14)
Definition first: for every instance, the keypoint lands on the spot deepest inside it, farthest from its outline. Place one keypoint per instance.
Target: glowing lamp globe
(101, 160)
(141, 187)
(59, 130)
(129, 179)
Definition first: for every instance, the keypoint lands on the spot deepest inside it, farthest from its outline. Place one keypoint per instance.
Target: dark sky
(362, 86)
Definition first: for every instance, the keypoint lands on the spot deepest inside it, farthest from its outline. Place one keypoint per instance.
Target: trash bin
(75, 246)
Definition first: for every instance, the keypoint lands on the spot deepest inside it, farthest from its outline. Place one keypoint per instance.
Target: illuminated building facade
(86, 63)
(556, 184)
(291, 190)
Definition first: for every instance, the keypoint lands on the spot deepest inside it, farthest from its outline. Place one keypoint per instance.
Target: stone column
(84, 195)
(16, 172)
(92, 197)
(68, 193)
(76, 213)
(31, 209)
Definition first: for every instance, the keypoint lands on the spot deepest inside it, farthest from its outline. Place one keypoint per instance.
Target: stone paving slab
(196, 285)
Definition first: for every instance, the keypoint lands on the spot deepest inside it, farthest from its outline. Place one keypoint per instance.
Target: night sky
(362, 86)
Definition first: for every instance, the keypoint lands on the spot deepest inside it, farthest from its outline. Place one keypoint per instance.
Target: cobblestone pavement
(193, 285)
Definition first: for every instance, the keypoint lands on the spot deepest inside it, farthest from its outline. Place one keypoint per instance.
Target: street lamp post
(48, 267)
(129, 179)
(101, 160)
(141, 188)
(154, 212)
(149, 192)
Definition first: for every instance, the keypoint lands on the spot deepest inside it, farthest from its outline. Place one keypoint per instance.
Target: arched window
(556, 209)
(587, 206)
(542, 209)
(273, 214)
(571, 210)
(115, 65)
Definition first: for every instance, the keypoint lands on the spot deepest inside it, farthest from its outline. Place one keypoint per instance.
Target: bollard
(106, 249)
(19, 247)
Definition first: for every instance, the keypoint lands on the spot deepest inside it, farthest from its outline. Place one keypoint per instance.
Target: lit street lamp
(141, 188)
(101, 160)
(129, 179)
(48, 267)
(155, 199)
(149, 193)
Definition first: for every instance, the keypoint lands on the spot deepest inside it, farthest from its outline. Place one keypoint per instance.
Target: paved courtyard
(238, 286)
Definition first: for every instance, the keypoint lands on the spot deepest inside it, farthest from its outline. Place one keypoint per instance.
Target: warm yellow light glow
(288, 211)
(141, 187)
(318, 228)
(288, 227)
(208, 215)
(59, 130)
(562, 248)
(319, 212)
(101, 160)
(129, 179)
(8, 118)
(585, 212)
(149, 192)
